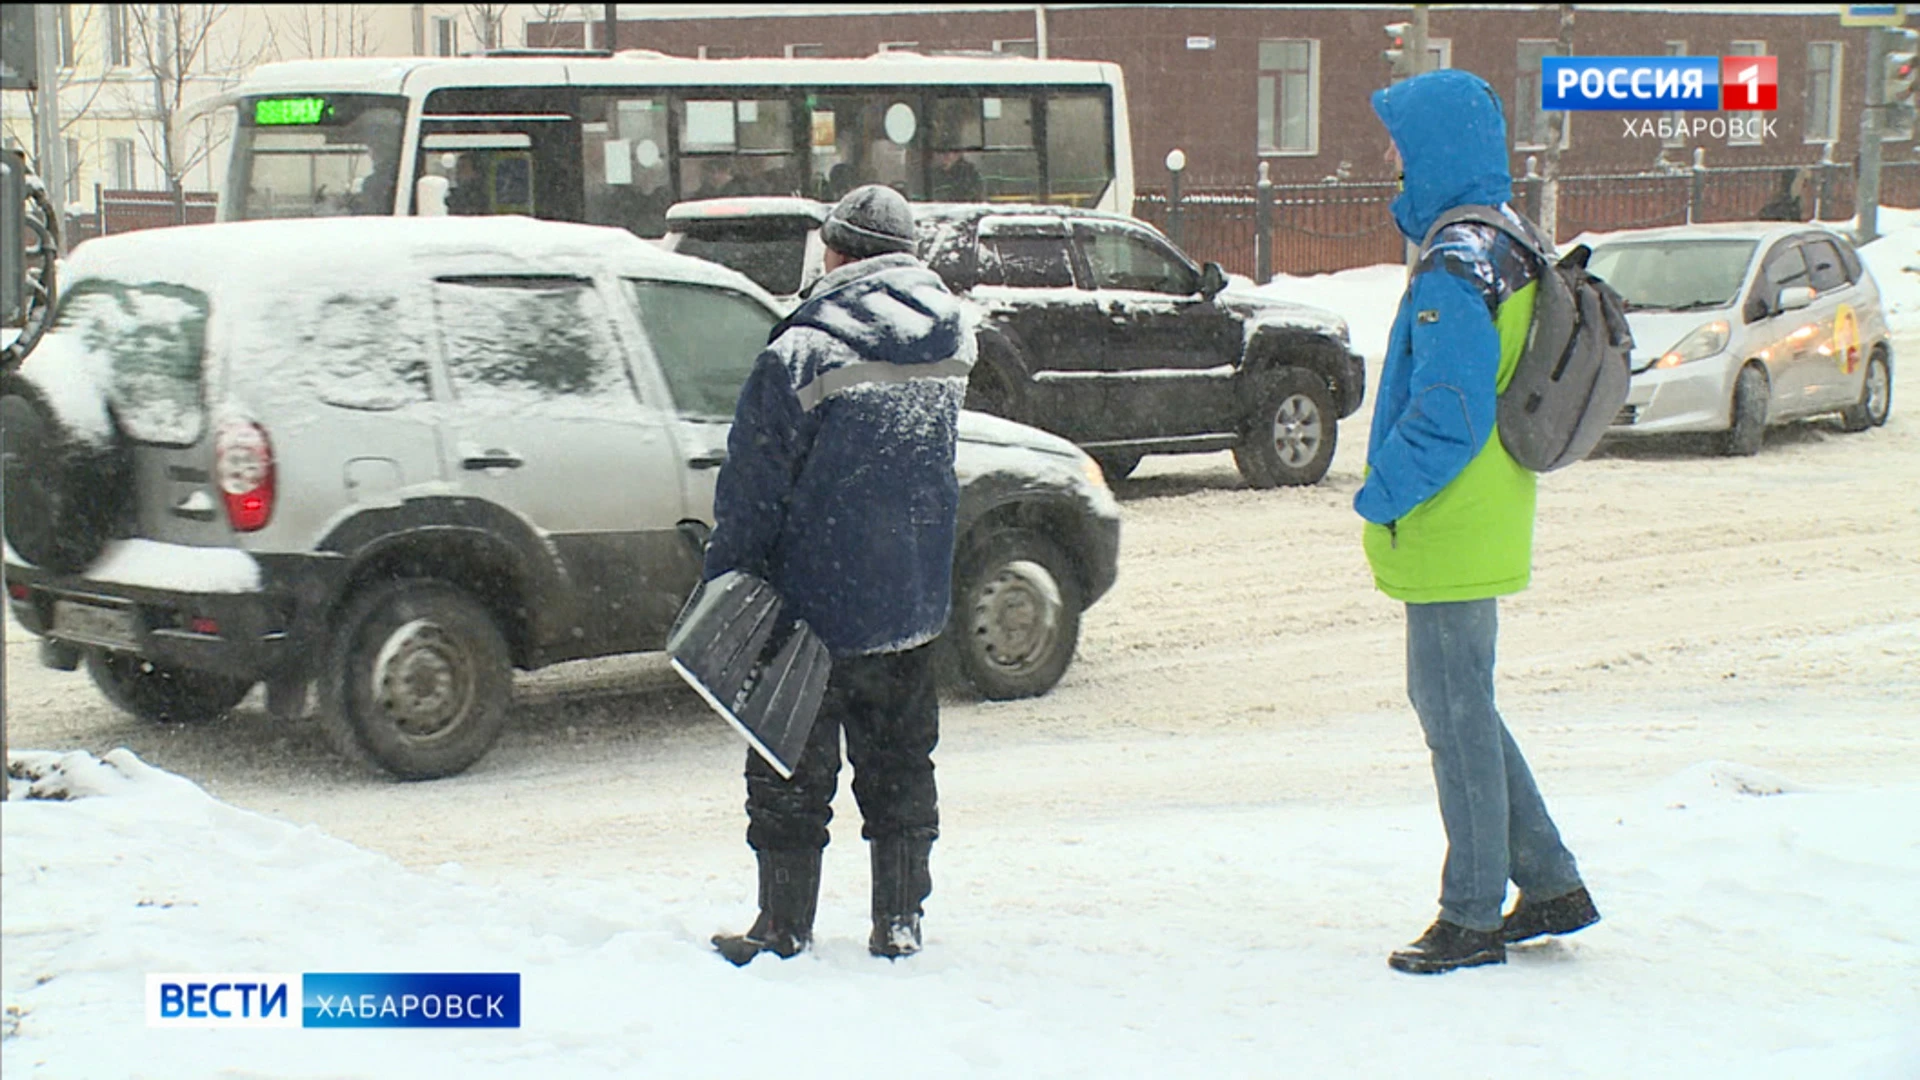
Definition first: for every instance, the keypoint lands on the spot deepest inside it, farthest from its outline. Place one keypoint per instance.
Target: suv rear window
(152, 338)
(771, 251)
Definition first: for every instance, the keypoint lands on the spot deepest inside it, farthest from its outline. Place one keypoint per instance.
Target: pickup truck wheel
(162, 694)
(417, 679)
(1016, 615)
(1291, 433)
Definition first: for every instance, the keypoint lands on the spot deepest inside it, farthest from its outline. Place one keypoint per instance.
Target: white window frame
(1532, 101)
(1313, 102)
(1440, 53)
(73, 170)
(446, 36)
(1835, 85)
(119, 38)
(1000, 46)
(1738, 48)
(67, 43)
(899, 46)
(125, 164)
(791, 54)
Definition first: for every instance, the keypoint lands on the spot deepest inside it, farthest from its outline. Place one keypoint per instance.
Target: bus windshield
(316, 155)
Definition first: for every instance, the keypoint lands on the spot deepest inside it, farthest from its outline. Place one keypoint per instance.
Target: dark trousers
(887, 705)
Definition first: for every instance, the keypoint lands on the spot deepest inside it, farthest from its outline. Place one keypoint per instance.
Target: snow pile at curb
(1753, 936)
(1366, 297)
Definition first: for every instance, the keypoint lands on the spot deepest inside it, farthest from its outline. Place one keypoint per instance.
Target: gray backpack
(1571, 380)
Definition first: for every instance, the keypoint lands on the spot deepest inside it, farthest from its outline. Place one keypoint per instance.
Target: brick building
(1236, 85)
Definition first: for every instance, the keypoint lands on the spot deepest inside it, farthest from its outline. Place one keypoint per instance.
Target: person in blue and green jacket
(1450, 520)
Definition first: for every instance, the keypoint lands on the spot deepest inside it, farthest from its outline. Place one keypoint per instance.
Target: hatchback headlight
(1704, 341)
(1094, 474)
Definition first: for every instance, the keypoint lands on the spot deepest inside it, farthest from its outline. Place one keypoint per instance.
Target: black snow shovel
(761, 668)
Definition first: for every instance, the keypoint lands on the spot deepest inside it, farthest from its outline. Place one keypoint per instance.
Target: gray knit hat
(870, 220)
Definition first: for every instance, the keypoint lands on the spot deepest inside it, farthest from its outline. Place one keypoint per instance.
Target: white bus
(616, 139)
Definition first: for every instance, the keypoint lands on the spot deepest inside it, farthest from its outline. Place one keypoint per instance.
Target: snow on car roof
(746, 206)
(1719, 230)
(229, 258)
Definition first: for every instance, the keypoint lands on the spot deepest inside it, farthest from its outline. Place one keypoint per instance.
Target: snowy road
(1189, 859)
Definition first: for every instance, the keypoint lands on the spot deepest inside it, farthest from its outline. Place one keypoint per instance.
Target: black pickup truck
(1094, 327)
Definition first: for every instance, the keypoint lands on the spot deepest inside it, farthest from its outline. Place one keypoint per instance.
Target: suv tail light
(243, 464)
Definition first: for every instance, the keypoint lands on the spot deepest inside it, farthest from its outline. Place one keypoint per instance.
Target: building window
(1018, 47)
(121, 158)
(796, 52)
(1745, 120)
(1439, 54)
(119, 47)
(1823, 92)
(66, 35)
(446, 37)
(1530, 122)
(1289, 104)
(899, 46)
(718, 52)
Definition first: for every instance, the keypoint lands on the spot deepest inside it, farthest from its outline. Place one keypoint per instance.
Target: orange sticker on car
(1846, 339)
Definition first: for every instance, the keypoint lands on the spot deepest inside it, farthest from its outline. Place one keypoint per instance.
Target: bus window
(1079, 167)
(867, 138)
(624, 162)
(985, 143)
(318, 155)
(516, 150)
(737, 147)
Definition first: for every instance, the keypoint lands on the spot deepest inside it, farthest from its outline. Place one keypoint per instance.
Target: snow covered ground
(1189, 860)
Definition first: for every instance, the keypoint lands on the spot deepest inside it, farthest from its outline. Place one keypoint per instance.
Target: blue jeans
(1497, 824)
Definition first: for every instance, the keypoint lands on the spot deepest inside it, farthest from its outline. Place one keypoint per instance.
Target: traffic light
(1897, 77)
(1399, 60)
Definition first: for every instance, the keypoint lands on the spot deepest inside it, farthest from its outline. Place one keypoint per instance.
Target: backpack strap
(1524, 231)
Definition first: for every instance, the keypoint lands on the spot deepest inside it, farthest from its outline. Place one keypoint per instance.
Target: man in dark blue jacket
(839, 491)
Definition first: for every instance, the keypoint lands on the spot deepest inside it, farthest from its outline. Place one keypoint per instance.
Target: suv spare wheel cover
(64, 494)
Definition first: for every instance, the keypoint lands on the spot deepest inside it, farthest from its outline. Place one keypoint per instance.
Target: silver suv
(395, 460)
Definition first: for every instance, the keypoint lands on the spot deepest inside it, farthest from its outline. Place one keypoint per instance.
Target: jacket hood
(1451, 130)
(888, 308)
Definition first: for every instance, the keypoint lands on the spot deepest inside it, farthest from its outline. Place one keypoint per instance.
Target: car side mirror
(1794, 298)
(1212, 280)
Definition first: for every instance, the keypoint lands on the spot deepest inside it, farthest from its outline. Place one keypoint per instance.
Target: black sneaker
(1446, 946)
(1560, 915)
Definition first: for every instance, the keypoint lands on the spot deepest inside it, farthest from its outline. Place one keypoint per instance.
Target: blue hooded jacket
(1436, 404)
(839, 487)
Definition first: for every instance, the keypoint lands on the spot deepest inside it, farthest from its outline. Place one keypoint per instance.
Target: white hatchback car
(1740, 326)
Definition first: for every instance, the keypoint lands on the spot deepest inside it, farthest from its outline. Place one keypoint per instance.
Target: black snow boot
(1446, 946)
(789, 896)
(900, 882)
(1561, 915)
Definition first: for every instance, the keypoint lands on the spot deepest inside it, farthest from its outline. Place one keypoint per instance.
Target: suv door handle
(492, 459)
(707, 461)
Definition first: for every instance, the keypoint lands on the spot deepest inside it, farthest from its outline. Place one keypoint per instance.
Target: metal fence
(119, 211)
(1338, 225)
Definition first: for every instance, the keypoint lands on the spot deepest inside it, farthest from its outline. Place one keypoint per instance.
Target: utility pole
(1556, 135)
(1866, 198)
(613, 28)
(1417, 42)
(51, 155)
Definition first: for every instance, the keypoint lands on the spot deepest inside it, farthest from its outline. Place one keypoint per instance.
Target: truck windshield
(315, 155)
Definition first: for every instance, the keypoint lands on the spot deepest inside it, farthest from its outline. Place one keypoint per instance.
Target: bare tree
(311, 31)
(185, 51)
(485, 21)
(1556, 135)
(75, 106)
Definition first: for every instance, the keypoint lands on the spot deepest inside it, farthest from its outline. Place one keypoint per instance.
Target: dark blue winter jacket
(839, 487)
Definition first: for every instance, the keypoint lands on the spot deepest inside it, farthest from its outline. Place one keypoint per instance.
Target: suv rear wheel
(417, 678)
(162, 694)
(1291, 432)
(1016, 617)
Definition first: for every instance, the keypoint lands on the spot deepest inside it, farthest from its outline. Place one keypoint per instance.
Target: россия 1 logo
(1660, 83)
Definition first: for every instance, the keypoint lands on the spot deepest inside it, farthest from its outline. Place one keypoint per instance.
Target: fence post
(1532, 180)
(1176, 164)
(1263, 226)
(1697, 195)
